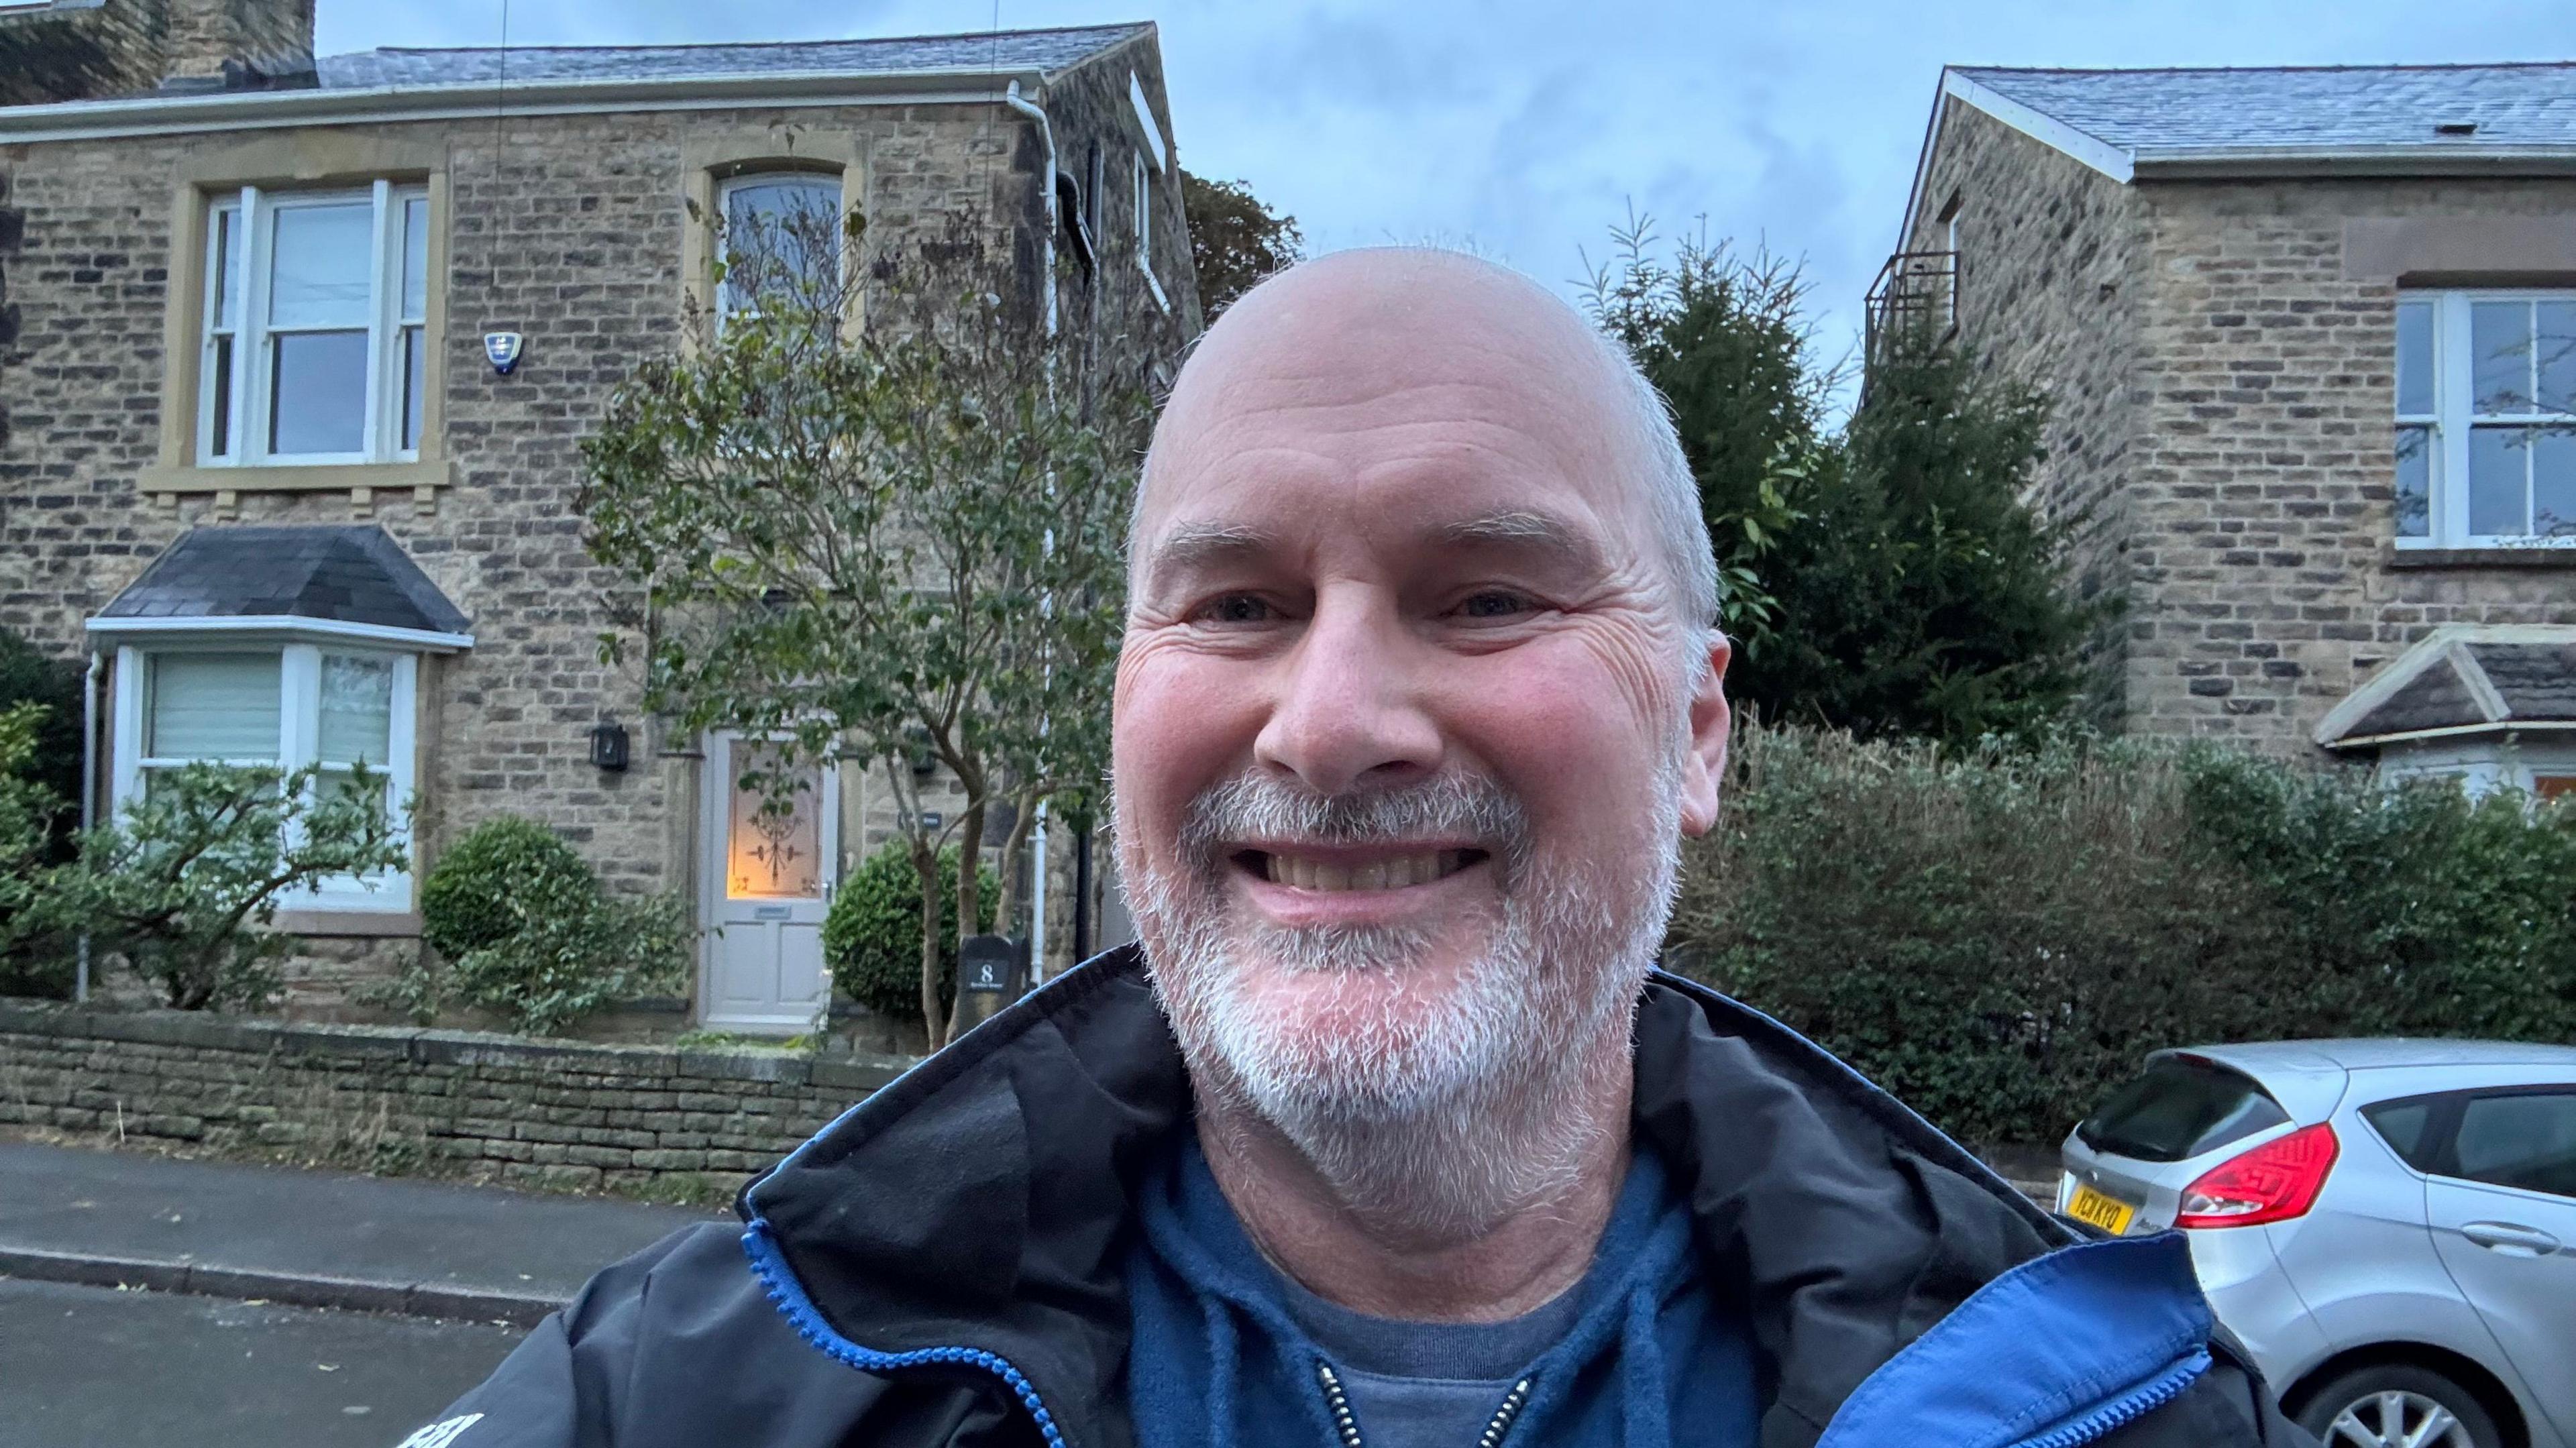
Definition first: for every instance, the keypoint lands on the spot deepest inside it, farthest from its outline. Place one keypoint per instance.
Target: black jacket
(942, 1265)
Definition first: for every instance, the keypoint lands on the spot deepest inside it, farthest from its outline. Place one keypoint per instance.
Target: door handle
(2511, 1238)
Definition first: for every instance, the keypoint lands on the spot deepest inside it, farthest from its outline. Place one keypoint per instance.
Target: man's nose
(1348, 712)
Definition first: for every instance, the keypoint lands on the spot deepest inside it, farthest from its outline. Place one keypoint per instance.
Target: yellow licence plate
(2106, 1212)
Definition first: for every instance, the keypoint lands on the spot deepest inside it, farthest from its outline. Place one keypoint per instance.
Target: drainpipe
(1046, 184)
(89, 796)
(1038, 897)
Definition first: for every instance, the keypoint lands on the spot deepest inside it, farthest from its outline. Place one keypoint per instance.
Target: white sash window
(315, 326)
(2486, 419)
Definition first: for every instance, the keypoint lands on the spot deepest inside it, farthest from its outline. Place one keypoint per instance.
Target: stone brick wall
(2223, 376)
(570, 229)
(2263, 495)
(550, 1115)
(2048, 290)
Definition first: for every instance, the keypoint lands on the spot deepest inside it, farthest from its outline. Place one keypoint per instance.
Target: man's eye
(1494, 603)
(1236, 608)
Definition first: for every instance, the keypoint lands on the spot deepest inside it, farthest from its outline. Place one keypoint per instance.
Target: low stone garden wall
(656, 1121)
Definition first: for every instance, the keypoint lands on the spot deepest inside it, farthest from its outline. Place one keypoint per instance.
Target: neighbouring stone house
(2311, 337)
(261, 471)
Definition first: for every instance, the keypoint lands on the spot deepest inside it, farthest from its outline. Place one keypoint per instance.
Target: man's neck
(1338, 1251)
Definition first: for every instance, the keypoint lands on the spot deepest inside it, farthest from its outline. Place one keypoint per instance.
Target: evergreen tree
(1235, 241)
(1886, 579)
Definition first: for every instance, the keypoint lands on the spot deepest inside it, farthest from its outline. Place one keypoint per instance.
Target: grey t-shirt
(1426, 1383)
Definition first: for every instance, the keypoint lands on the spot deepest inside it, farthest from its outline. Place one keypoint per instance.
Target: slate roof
(349, 574)
(2146, 112)
(1044, 50)
(2471, 679)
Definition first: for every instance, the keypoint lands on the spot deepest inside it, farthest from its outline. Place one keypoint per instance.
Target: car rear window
(2406, 1127)
(2178, 1108)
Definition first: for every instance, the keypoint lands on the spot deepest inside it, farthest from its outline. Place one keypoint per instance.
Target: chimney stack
(237, 44)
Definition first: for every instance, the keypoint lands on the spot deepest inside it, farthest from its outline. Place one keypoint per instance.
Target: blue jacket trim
(788, 1296)
(2059, 1352)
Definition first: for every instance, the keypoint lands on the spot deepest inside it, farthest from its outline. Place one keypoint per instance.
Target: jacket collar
(984, 1199)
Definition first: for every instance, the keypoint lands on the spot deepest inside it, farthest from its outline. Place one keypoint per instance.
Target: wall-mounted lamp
(608, 746)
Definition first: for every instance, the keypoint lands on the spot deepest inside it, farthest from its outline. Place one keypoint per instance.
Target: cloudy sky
(1526, 129)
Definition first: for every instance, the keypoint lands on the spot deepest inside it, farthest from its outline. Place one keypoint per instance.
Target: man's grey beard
(1439, 1120)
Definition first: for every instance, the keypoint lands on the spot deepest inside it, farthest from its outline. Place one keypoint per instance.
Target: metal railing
(1916, 294)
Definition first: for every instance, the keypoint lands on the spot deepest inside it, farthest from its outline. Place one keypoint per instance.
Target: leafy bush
(872, 937)
(28, 676)
(466, 899)
(182, 884)
(1998, 936)
(568, 950)
(31, 960)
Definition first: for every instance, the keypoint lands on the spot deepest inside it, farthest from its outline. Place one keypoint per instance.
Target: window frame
(2440, 1156)
(241, 289)
(1142, 215)
(2455, 417)
(299, 687)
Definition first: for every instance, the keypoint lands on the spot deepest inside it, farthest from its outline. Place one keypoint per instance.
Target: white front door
(770, 872)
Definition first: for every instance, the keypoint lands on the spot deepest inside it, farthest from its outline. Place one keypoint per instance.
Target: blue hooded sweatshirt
(1229, 1350)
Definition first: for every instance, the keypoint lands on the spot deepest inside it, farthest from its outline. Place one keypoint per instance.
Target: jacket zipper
(2118, 1414)
(1348, 1426)
(788, 1296)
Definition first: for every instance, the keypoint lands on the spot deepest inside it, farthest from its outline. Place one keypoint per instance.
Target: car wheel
(2398, 1405)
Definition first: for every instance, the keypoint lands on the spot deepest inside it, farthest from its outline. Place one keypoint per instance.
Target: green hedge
(1998, 937)
(872, 937)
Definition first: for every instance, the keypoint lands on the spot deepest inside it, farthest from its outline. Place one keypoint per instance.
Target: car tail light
(2274, 1182)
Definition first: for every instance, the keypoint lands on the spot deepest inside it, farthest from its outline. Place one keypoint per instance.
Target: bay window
(315, 336)
(281, 706)
(2486, 418)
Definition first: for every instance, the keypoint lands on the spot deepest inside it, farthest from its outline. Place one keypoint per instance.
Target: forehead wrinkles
(1222, 467)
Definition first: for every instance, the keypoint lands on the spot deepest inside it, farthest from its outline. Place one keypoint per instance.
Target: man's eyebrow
(1189, 545)
(1515, 525)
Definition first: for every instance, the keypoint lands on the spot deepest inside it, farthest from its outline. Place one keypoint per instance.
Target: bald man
(1389, 1133)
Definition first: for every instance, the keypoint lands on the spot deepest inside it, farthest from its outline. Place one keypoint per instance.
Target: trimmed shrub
(1999, 936)
(466, 899)
(571, 950)
(872, 937)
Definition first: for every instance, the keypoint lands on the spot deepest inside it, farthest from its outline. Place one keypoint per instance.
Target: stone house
(262, 471)
(2311, 339)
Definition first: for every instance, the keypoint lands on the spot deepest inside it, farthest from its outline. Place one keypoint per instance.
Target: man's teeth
(1392, 873)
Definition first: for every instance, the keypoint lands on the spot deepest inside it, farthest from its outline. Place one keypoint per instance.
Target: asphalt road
(92, 1367)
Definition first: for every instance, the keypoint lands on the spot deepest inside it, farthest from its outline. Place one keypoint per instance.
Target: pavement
(309, 1238)
(96, 1367)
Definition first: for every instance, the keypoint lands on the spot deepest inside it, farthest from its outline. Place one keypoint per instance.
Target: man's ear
(1704, 762)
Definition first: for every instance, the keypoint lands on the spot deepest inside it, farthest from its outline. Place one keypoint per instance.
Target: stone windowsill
(320, 478)
(2395, 557)
(354, 924)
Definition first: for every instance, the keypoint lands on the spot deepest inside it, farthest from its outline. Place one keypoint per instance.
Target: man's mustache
(1452, 807)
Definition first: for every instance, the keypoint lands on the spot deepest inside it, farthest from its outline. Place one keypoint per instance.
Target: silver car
(2389, 1225)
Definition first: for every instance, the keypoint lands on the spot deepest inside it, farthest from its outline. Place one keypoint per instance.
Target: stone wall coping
(431, 1047)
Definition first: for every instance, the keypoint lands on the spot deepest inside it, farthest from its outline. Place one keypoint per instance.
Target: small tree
(893, 542)
(1235, 241)
(184, 882)
(1722, 338)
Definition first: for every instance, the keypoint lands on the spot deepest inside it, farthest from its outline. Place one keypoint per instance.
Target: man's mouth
(1345, 870)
